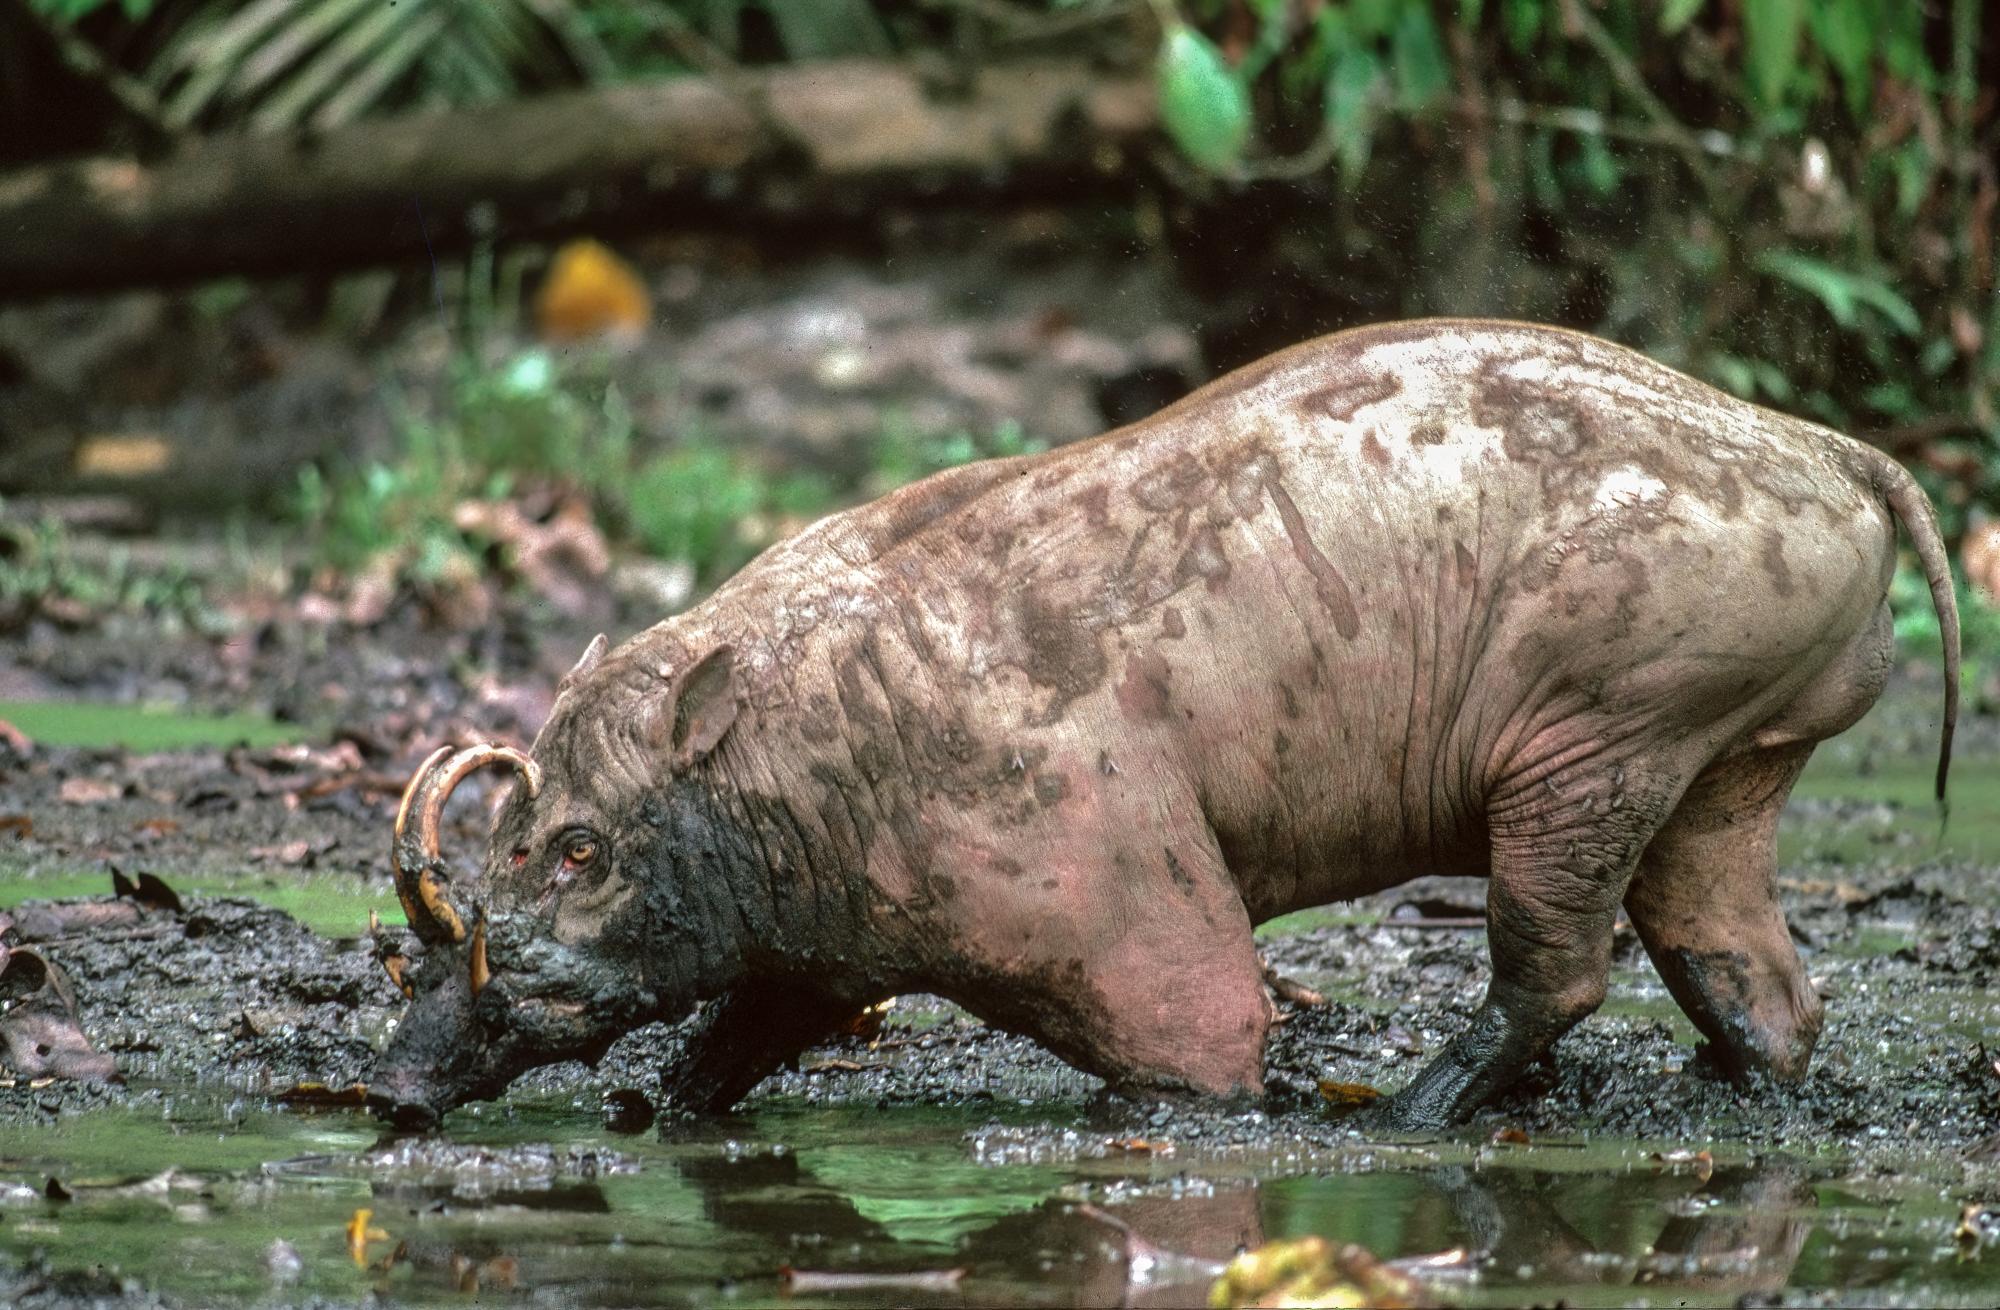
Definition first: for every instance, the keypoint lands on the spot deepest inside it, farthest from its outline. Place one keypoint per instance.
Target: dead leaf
(1348, 1096)
(88, 791)
(360, 1234)
(1311, 1271)
(1291, 991)
(149, 891)
(122, 455)
(19, 825)
(1140, 1146)
(159, 827)
(318, 1096)
(591, 292)
(1508, 1137)
(40, 1034)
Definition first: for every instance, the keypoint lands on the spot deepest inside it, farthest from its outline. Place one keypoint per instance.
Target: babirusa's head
(605, 901)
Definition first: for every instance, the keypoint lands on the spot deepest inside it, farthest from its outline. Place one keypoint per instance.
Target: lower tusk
(481, 975)
(430, 889)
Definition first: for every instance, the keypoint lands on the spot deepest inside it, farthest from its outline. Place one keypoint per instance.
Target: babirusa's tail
(1909, 503)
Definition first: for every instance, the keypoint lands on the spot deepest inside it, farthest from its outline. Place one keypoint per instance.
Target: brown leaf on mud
(1844, 892)
(149, 891)
(16, 825)
(300, 853)
(1348, 1096)
(1311, 1271)
(88, 791)
(318, 1096)
(562, 557)
(808, 1282)
(1291, 991)
(1139, 1146)
(40, 1034)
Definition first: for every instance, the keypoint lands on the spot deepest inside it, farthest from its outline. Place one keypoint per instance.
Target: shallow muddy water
(540, 1205)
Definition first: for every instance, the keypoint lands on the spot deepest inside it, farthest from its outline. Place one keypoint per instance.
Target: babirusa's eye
(579, 851)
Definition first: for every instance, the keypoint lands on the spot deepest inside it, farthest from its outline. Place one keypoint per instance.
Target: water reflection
(1738, 1231)
(677, 1221)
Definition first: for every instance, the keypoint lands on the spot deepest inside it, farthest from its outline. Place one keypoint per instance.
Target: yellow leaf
(591, 292)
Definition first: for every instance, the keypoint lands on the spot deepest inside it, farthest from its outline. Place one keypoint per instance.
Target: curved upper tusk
(416, 858)
(416, 781)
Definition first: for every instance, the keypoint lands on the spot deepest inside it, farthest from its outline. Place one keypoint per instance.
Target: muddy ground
(232, 993)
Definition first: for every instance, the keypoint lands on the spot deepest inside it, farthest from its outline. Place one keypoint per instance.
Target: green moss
(140, 727)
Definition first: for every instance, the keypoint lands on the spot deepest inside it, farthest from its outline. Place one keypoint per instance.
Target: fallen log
(797, 147)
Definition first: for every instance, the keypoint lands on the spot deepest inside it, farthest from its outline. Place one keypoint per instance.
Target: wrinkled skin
(1049, 736)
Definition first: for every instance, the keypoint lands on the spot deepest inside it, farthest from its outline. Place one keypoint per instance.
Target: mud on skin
(950, 742)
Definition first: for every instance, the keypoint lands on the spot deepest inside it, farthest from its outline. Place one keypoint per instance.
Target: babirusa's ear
(704, 700)
(593, 655)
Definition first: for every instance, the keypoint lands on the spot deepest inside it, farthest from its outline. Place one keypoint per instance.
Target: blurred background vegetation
(1792, 199)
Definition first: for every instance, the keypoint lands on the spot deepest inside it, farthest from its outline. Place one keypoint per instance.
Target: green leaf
(1678, 14)
(1202, 104)
(1523, 21)
(826, 29)
(1375, 17)
(1841, 292)
(1351, 107)
(1845, 30)
(1771, 47)
(1600, 168)
(1422, 74)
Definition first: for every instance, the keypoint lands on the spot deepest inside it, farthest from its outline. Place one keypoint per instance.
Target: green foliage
(1843, 292)
(526, 420)
(279, 64)
(70, 11)
(702, 504)
(1771, 30)
(43, 569)
(902, 454)
(1917, 624)
(1202, 104)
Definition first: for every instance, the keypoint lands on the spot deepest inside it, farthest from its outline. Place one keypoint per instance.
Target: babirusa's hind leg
(1705, 904)
(1562, 854)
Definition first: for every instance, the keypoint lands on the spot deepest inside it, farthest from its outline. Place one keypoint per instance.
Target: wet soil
(214, 1010)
